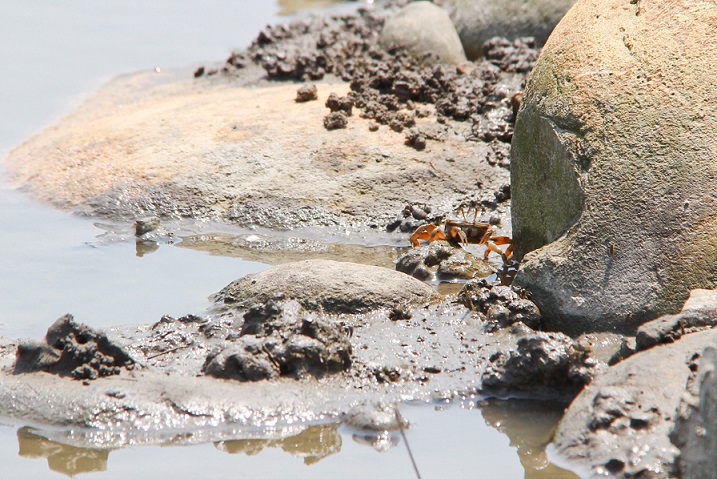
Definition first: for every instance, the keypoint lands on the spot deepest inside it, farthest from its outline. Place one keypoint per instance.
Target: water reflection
(528, 425)
(313, 444)
(67, 460)
(277, 249)
(288, 7)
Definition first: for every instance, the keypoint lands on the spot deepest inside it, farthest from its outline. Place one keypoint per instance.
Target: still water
(54, 54)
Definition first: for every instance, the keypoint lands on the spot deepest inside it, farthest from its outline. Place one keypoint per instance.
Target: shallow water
(55, 53)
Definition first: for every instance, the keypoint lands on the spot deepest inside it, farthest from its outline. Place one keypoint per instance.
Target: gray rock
(426, 31)
(612, 166)
(331, 286)
(695, 427)
(698, 313)
(620, 424)
(479, 20)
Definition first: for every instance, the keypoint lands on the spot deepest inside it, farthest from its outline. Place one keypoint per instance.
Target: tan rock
(238, 150)
(613, 164)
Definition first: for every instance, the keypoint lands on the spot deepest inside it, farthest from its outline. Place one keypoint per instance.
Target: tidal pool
(55, 54)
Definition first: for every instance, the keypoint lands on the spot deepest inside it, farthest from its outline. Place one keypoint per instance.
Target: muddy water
(54, 54)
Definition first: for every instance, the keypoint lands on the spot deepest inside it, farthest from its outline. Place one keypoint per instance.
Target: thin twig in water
(271, 357)
(405, 441)
(169, 351)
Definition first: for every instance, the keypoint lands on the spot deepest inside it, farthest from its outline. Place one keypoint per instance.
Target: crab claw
(428, 233)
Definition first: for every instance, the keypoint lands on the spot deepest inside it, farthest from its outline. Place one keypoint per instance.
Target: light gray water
(54, 55)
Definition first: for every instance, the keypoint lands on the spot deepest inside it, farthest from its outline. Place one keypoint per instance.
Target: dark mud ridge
(277, 363)
(393, 87)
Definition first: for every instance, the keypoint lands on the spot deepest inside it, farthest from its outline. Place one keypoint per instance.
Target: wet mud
(74, 350)
(220, 376)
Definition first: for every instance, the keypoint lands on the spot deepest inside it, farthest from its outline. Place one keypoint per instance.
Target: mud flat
(279, 366)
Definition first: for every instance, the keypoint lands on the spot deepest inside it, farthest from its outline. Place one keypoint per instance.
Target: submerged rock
(612, 165)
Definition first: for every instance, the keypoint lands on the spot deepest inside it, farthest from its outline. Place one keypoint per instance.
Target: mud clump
(307, 92)
(336, 120)
(340, 103)
(391, 86)
(416, 139)
(410, 218)
(501, 306)
(279, 338)
(74, 350)
(546, 365)
(517, 56)
(442, 261)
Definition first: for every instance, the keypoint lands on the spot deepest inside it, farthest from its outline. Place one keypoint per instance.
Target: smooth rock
(332, 286)
(479, 20)
(426, 31)
(613, 165)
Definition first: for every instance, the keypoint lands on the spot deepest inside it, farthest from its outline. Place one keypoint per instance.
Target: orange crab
(464, 232)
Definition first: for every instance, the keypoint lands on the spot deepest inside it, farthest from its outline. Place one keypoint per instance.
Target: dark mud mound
(442, 261)
(74, 350)
(546, 365)
(501, 306)
(393, 87)
(280, 338)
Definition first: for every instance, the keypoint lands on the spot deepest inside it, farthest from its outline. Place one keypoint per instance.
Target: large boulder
(479, 20)
(613, 165)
